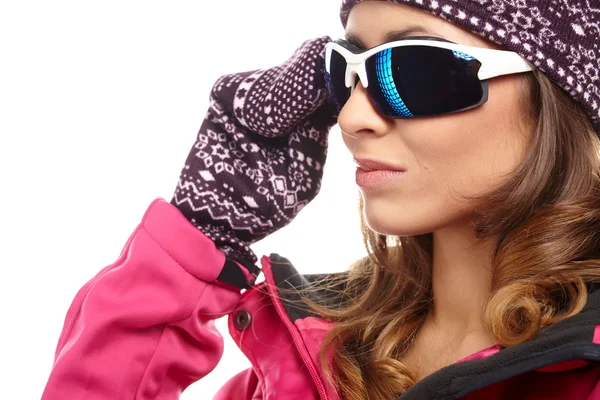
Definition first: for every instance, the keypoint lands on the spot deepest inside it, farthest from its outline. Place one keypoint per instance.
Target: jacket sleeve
(242, 386)
(143, 327)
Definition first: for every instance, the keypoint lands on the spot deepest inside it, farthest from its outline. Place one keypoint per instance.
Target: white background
(100, 103)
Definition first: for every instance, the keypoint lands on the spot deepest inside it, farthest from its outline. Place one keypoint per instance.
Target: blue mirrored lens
(414, 81)
(385, 79)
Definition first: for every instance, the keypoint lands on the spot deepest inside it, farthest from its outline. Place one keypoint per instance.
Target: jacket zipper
(293, 331)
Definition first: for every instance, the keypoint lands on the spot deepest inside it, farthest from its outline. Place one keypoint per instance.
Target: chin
(396, 219)
(384, 223)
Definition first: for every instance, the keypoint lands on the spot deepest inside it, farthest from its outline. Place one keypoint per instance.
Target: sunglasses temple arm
(503, 64)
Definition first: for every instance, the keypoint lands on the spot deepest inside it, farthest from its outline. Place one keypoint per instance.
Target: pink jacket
(143, 328)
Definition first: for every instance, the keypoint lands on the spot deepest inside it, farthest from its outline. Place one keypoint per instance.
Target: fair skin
(466, 153)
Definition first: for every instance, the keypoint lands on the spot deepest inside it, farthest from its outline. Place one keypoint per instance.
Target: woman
(475, 127)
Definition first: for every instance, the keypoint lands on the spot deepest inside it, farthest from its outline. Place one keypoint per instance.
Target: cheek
(465, 154)
(495, 138)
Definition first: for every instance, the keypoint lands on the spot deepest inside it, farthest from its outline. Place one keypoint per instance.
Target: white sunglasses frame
(493, 62)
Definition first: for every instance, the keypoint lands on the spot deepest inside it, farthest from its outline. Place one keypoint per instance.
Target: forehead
(373, 22)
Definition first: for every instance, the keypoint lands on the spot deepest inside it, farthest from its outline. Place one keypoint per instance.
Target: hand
(259, 154)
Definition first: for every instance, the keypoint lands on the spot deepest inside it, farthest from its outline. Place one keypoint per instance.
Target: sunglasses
(417, 76)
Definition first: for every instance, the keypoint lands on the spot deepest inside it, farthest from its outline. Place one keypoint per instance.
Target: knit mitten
(259, 154)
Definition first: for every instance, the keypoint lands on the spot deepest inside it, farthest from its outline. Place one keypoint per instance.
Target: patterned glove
(259, 155)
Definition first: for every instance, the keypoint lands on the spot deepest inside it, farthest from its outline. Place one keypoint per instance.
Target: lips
(369, 165)
(373, 174)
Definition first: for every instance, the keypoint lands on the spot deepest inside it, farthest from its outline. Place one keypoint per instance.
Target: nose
(360, 116)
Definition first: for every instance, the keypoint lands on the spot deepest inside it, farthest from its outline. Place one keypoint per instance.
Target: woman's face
(465, 153)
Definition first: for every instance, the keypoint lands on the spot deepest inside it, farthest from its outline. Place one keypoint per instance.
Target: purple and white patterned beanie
(560, 37)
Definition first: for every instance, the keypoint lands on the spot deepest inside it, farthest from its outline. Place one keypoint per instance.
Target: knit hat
(560, 37)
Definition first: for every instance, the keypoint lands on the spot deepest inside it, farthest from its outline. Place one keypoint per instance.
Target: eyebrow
(390, 36)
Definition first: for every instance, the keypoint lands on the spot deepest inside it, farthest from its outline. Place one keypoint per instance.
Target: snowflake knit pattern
(559, 37)
(259, 154)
